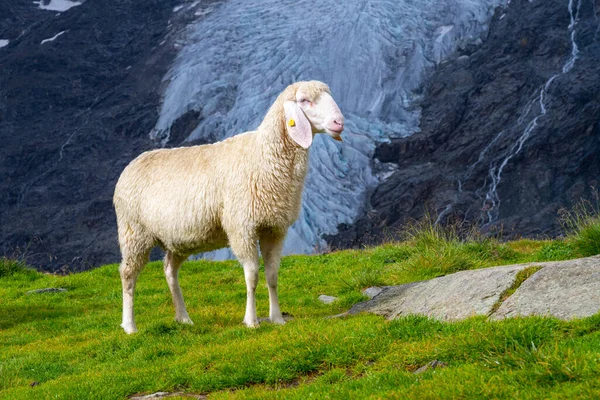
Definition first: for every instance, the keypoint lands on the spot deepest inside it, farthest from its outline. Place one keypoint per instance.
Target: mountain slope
(73, 112)
(510, 132)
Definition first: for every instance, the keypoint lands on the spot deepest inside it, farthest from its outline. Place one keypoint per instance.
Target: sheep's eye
(304, 101)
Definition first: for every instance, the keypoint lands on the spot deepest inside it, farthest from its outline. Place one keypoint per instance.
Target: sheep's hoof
(185, 320)
(251, 324)
(129, 328)
(277, 320)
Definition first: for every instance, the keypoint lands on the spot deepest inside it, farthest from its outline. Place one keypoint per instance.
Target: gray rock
(162, 395)
(431, 365)
(563, 289)
(327, 299)
(566, 290)
(463, 60)
(372, 291)
(47, 290)
(156, 395)
(452, 297)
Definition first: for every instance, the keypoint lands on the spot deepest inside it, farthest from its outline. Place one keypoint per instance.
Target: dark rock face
(73, 113)
(507, 138)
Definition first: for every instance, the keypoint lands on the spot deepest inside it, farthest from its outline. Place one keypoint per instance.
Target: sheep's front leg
(270, 248)
(251, 275)
(245, 249)
(172, 265)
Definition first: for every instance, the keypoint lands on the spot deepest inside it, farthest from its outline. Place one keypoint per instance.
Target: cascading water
(238, 56)
(491, 202)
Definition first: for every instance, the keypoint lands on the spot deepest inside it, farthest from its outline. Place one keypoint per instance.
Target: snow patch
(57, 5)
(177, 8)
(52, 38)
(4, 42)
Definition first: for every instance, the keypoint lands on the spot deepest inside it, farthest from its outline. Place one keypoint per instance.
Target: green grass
(71, 344)
(10, 266)
(582, 224)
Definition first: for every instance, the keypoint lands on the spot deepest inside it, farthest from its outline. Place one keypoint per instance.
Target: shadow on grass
(16, 315)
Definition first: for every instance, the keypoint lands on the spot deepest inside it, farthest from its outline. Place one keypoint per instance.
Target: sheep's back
(177, 195)
(167, 189)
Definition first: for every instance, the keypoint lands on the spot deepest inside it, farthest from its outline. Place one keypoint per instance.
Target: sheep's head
(311, 109)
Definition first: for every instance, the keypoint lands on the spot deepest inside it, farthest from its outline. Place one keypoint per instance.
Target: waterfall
(491, 203)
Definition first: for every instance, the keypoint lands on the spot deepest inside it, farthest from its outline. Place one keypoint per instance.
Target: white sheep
(243, 190)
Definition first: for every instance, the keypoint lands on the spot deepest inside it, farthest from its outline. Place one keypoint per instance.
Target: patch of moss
(521, 277)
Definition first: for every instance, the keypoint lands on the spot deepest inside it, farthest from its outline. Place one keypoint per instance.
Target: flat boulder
(565, 290)
(452, 297)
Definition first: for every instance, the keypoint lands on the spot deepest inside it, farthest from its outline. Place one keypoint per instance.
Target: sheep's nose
(339, 123)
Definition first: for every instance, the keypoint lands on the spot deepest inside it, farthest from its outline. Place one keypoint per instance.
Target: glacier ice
(238, 55)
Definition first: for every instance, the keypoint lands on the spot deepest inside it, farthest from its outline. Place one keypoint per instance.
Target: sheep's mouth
(336, 135)
(334, 132)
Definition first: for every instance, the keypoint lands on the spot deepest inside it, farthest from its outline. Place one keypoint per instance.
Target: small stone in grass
(372, 291)
(431, 365)
(47, 290)
(163, 395)
(34, 383)
(327, 299)
(157, 395)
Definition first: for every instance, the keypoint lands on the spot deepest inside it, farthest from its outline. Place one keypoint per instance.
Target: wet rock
(566, 290)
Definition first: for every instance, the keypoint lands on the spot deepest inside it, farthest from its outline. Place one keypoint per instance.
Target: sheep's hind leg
(246, 252)
(172, 265)
(271, 251)
(130, 268)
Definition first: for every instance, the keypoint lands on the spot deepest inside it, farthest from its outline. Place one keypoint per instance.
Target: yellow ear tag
(291, 122)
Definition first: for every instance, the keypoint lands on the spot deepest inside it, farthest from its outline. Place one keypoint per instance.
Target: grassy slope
(71, 342)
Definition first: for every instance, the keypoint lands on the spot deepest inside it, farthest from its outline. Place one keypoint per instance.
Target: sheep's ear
(297, 124)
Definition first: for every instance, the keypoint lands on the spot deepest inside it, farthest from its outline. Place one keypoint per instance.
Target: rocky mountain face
(73, 112)
(510, 131)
